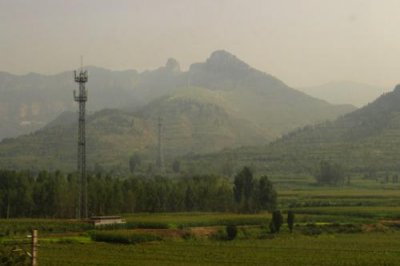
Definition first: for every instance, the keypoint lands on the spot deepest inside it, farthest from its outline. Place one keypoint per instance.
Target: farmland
(355, 224)
(362, 249)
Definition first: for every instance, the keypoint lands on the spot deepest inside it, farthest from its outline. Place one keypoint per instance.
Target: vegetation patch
(334, 228)
(123, 237)
(10, 227)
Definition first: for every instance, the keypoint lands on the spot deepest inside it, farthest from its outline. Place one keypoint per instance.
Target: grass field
(343, 249)
(350, 225)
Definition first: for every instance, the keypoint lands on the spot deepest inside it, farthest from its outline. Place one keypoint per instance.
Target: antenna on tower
(81, 98)
(160, 155)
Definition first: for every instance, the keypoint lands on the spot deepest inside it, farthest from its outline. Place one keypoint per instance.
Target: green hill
(190, 125)
(31, 101)
(219, 104)
(364, 141)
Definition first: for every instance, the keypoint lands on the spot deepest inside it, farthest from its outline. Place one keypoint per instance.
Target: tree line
(55, 194)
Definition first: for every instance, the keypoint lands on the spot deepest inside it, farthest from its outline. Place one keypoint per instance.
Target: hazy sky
(302, 42)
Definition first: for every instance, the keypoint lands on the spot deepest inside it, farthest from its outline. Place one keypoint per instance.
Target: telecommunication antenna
(160, 155)
(81, 98)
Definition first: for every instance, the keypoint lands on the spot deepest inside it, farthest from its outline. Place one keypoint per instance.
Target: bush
(329, 173)
(290, 220)
(276, 222)
(123, 237)
(231, 232)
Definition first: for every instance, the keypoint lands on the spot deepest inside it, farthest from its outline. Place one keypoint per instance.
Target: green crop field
(357, 224)
(345, 249)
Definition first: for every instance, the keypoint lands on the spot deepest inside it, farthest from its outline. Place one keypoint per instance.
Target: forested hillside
(221, 103)
(366, 141)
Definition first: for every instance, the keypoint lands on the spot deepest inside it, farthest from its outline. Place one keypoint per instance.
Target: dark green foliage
(189, 199)
(251, 194)
(276, 222)
(54, 195)
(231, 231)
(267, 195)
(243, 189)
(123, 237)
(330, 173)
(290, 220)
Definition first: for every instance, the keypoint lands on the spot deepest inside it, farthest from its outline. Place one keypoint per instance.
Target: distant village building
(106, 220)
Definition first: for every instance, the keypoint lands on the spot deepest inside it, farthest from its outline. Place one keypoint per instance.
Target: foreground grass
(191, 219)
(377, 212)
(285, 249)
(334, 226)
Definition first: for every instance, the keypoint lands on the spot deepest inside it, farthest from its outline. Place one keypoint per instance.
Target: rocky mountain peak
(222, 58)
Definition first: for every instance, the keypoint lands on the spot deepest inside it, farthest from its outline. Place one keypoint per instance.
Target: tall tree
(276, 222)
(329, 173)
(266, 194)
(243, 189)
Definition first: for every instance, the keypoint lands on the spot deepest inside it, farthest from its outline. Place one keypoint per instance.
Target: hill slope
(259, 97)
(366, 140)
(221, 103)
(30, 101)
(189, 126)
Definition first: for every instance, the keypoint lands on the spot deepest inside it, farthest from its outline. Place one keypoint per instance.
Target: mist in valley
(252, 132)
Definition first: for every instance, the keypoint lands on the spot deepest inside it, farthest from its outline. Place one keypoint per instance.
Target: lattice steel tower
(160, 154)
(81, 98)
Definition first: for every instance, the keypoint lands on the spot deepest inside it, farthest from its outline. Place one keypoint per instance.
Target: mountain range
(217, 104)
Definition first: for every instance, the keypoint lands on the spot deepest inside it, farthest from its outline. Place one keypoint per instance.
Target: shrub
(231, 232)
(290, 220)
(123, 237)
(276, 222)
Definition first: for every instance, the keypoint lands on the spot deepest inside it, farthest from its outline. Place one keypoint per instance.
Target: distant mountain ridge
(30, 101)
(220, 103)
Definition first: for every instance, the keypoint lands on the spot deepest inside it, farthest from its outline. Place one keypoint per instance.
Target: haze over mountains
(346, 92)
(220, 103)
(366, 140)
